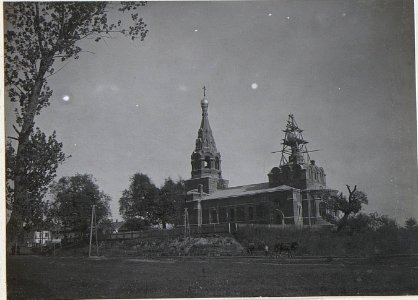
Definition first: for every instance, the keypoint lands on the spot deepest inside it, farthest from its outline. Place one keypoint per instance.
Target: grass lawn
(31, 277)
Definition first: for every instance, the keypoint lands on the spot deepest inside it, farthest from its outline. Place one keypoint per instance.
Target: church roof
(245, 190)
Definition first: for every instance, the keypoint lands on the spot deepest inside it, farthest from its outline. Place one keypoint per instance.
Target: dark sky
(345, 69)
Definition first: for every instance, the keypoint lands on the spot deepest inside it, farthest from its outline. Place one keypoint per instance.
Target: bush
(365, 235)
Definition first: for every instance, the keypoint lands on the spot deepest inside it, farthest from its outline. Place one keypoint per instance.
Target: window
(46, 234)
(222, 215)
(207, 162)
(322, 209)
(279, 217)
(214, 215)
(250, 213)
(231, 214)
(240, 213)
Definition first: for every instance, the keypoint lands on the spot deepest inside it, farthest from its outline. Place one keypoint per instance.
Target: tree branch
(17, 131)
(18, 88)
(58, 69)
(38, 29)
(349, 189)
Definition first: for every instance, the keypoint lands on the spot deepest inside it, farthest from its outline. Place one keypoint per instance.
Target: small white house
(42, 237)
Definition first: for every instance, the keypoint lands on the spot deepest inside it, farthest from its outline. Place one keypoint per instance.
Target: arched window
(231, 214)
(322, 209)
(250, 213)
(217, 163)
(214, 215)
(279, 218)
(207, 162)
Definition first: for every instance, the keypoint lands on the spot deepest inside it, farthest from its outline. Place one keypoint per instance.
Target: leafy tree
(360, 222)
(170, 202)
(411, 223)
(135, 224)
(73, 198)
(40, 157)
(379, 222)
(40, 39)
(105, 227)
(143, 203)
(137, 202)
(337, 204)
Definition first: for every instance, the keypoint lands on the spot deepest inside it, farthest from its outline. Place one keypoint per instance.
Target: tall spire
(205, 159)
(205, 141)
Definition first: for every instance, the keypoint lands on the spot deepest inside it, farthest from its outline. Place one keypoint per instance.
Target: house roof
(245, 190)
(117, 225)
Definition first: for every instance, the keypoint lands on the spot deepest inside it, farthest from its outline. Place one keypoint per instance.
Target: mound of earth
(200, 246)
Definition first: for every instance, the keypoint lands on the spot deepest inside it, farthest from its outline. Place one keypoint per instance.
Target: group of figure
(278, 249)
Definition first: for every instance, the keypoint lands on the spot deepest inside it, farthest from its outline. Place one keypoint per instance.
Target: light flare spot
(66, 98)
(254, 86)
(183, 88)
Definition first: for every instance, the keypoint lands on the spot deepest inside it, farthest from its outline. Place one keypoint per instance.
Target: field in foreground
(34, 277)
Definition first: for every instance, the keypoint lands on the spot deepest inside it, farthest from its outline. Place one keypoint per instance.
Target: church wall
(303, 176)
(308, 208)
(254, 209)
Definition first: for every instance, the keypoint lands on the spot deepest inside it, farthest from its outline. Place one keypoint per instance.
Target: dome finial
(204, 101)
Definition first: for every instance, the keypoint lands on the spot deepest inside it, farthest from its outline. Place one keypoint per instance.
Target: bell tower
(205, 159)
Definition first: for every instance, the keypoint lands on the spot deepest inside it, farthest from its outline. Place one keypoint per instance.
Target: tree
(143, 203)
(40, 39)
(411, 223)
(137, 202)
(73, 198)
(170, 202)
(336, 204)
(382, 222)
(40, 157)
(360, 222)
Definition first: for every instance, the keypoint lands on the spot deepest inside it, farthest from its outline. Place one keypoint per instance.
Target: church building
(290, 197)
